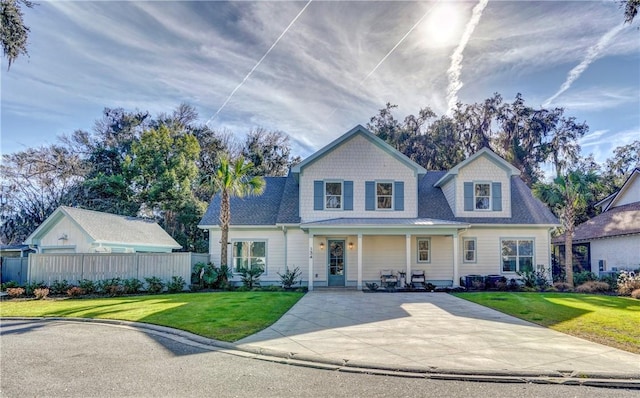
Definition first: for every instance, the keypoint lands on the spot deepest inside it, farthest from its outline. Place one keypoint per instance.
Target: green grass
(609, 320)
(226, 316)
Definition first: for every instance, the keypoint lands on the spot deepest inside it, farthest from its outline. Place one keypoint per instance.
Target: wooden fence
(48, 268)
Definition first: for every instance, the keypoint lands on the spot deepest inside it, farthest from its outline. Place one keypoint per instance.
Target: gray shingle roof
(277, 205)
(622, 220)
(112, 228)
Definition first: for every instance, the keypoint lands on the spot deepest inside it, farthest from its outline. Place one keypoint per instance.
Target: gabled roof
(359, 130)
(108, 228)
(278, 204)
(618, 221)
(484, 152)
(610, 201)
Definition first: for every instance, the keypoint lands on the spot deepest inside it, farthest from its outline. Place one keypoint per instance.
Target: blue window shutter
(496, 196)
(369, 195)
(348, 195)
(398, 195)
(468, 196)
(318, 195)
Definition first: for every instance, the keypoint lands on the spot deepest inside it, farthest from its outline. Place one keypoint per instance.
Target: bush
(132, 285)
(76, 291)
(562, 286)
(290, 277)
(112, 287)
(593, 287)
(8, 285)
(580, 278)
(611, 280)
(87, 285)
(636, 294)
(31, 287)
(59, 287)
(176, 285)
(41, 293)
(251, 276)
(372, 285)
(536, 280)
(15, 292)
(154, 285)
(628, 281)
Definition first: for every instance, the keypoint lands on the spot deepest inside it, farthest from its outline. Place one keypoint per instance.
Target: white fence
(48, 268)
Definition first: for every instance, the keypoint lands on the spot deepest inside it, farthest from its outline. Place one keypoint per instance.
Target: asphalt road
(70, 359)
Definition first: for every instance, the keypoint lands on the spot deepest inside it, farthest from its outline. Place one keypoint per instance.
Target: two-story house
(358, 206)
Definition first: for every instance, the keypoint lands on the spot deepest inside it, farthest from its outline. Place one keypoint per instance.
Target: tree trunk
(225, 218)
(568, 245)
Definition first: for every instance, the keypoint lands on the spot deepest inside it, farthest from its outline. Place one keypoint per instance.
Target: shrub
(580, 278)
(41, 293)
(176, 284)
(274, 288)
(224, 273)
(250, 276)
(290, 277)
(562, 286)
(628, 281)
(132, 285)
(611, 280)
(154, 285)
(8, 285)
(15, 292)
(536, 280)
(76, 291)
(513, 285)
(372, 285)
(30, 287)
(112, 287)
(636, 294)
(593, 287)
(87, 285)
(59, 287)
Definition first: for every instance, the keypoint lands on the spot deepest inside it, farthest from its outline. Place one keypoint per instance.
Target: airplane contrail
(398, 43)
(258, 63)
(593, 53)
(456, 58)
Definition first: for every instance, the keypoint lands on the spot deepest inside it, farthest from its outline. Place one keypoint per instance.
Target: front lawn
(226, 316)
(608, 320)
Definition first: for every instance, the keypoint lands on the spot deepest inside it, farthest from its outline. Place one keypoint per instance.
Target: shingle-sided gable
(483, 153)
(277, 204)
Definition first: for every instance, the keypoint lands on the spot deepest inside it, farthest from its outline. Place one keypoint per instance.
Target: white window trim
(324, 198)
(233, 257)
(533, 254)
(375, 187)
(490, 208)
(475, 250)
(418, 240)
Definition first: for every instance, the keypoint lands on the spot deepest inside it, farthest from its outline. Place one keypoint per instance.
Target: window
(384, 195)
(333, 195)
(517, 255)
(482, 196)
(469, 248)
(249, 254)
(424, 250)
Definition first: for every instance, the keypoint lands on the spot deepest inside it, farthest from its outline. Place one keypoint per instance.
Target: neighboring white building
(358, 206)
(612, 238)
(73, 230)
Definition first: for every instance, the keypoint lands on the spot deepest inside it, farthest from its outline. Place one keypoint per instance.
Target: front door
(336, 263)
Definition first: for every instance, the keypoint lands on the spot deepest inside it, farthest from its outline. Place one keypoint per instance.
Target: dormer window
(333, 195)
(482, 196)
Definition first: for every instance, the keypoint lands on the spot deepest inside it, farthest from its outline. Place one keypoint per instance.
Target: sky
(315, 69)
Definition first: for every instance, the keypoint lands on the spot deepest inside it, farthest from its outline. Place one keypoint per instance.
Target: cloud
(455, 84)
(593, 53)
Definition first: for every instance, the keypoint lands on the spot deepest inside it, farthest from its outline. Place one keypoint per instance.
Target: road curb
(565, 377)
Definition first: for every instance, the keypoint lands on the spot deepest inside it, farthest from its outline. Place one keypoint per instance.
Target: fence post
(137, 266)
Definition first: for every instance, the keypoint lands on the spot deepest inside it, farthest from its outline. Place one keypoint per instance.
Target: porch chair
(388, 279)
(418, 278)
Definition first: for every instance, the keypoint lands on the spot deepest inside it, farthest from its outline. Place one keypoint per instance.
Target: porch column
(456, 270)
(310, 283)
(359, 283)
(408, 257)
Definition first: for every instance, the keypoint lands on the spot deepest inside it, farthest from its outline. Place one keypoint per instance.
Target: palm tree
(567, 195)
(232, 179)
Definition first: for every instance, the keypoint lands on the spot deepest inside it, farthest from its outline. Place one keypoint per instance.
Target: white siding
(622, 252)
(483, 170)
(75, 236)
(357, 160)
(631, 193)
(440, 266)
(449, 191)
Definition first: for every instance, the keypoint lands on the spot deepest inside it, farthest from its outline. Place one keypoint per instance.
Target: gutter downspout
(286, 250)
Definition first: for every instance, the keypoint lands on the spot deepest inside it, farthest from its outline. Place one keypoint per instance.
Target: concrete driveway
(430, 329)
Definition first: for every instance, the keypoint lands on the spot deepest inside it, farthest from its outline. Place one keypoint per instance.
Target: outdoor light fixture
(350, 245)
(321, 245)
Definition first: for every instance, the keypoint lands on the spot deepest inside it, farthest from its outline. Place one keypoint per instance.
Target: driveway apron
(430, 329)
